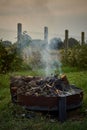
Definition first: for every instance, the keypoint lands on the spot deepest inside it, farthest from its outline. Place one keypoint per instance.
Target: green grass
(10, 115)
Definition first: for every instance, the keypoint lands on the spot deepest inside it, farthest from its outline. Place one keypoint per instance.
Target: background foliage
(9, 59)
(76, 56)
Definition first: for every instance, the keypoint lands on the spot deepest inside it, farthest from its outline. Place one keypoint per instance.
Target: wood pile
(40, 86)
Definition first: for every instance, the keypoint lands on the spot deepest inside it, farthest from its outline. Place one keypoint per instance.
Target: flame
(62, 76)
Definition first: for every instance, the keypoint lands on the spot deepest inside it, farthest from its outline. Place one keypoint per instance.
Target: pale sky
(58, 15)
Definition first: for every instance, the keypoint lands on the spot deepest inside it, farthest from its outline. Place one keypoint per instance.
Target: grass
(11, 115)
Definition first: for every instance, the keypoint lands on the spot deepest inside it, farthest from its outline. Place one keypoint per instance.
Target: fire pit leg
(62, 108)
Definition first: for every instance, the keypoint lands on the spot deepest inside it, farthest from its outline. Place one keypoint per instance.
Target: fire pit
(46, 94)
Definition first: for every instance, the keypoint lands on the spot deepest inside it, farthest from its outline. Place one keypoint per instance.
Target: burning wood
(64, 78)
(38, 86)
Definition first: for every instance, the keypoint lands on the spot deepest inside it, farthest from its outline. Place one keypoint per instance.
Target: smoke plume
(43, 57)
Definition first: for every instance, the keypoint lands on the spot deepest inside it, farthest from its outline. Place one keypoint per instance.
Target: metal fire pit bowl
(63, 96)
(48, 103)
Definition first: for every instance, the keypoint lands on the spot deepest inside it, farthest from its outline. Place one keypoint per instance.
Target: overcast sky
(58, 15)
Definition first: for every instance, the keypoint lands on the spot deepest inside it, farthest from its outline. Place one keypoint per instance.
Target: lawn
(12, 116)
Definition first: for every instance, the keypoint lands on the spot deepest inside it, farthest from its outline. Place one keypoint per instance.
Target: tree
(72, 42)
(7, 43)
(56, 43)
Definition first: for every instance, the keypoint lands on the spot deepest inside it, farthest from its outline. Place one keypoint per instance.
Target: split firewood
(49, 86)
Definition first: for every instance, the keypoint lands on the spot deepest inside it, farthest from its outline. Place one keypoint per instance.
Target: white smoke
(43, 56)
(27, 53)
(46, 59)
(51, 58)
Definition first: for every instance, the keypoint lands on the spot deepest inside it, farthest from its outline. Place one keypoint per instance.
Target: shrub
(9, 59)
(76, 56)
